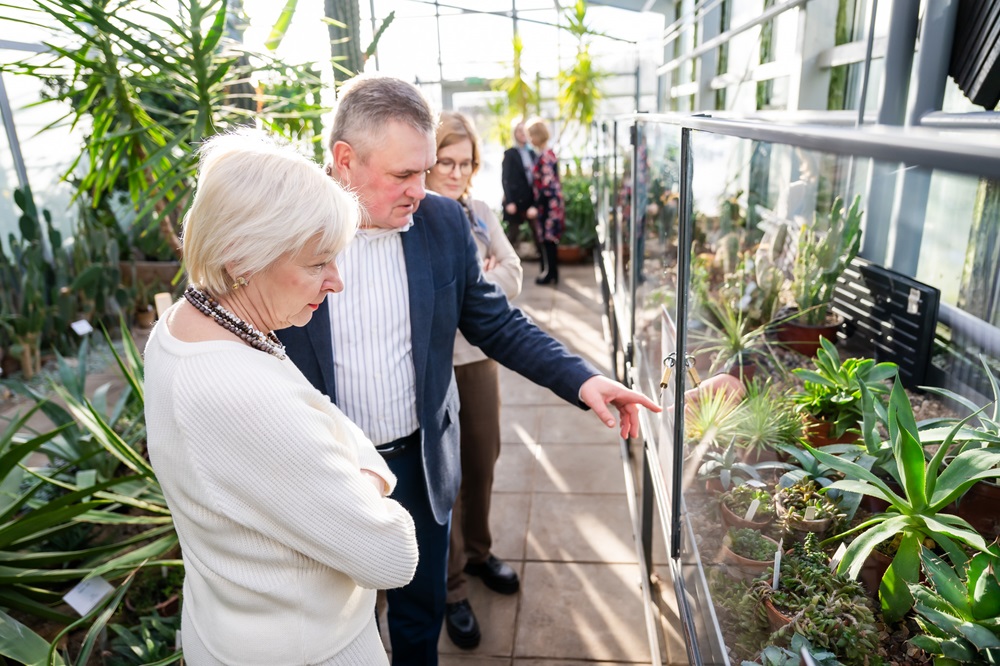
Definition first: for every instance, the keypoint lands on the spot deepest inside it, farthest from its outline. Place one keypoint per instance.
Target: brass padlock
(668, 368)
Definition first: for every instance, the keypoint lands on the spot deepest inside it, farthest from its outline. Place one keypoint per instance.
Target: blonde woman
(280, 502)
(478, 388)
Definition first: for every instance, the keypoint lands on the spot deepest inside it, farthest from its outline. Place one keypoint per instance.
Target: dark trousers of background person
(550, 263)
(514, 224)
(479, 419)
(416, 611)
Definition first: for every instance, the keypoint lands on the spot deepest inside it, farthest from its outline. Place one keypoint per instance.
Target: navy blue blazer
(448, 293)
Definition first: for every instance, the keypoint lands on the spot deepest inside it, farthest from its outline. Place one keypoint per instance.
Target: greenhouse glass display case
(739, 258)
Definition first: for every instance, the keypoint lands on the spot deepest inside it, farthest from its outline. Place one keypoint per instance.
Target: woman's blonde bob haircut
(538, 130)
(453, 128)
(255, 202)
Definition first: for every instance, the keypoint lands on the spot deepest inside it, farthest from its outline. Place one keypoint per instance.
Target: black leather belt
(397, 447)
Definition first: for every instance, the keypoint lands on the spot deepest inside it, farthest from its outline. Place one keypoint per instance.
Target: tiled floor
(560, 515)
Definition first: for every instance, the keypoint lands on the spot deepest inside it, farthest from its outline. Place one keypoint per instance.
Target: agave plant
(915, 514)
(959, 609)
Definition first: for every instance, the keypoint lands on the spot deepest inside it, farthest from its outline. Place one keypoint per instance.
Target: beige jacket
(507, 274)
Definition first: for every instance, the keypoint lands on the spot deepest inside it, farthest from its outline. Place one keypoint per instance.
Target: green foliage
(915, 514)
(825, 249)
(580, 83)
(832, 392)
(521, 97)
(766, 419)
(739, 499)
(729, 337)
(830, 610)
(581, 218)
(795, 501)
(985, 432)
(751, 544)
(959, 610)
(724, 464)
(42, 507)
(150, 87)
(151, 642)
(774, 655)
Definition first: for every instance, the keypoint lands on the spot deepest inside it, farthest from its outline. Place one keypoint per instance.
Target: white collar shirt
(370, 330)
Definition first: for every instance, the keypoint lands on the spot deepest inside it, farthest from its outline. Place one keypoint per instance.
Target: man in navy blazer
(382, 350)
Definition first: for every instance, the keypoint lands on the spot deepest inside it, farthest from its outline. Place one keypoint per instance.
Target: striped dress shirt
(370, 327)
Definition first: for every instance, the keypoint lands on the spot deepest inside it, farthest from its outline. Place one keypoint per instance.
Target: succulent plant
(751, 544)
(830, 610)
(739, 499)
(959, 609)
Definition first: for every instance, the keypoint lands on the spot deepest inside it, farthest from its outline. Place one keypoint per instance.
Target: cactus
(825, 250)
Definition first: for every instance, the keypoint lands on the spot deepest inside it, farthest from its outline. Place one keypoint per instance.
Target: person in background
(478, 383)
(280, 503)
(383, 349)
(551, 217)
(516, 176)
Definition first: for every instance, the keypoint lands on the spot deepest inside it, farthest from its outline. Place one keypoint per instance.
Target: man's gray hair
(368, 103)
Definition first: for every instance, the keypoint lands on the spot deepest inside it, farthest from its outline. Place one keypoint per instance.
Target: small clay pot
(775, 618)
(730, 519)
(746, 568)
(801, 524)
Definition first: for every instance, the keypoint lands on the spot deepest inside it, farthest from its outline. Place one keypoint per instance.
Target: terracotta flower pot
(801, 524)
(804, 338)
(818, 433)
(730, 519)
(980, 505)
(745, 568)
(776, 619)
(873, 569)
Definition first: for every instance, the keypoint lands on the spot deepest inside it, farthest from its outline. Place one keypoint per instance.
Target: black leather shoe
(463, 629)
(496, 574)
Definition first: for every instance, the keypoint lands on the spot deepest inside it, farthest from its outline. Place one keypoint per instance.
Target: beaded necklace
(210, 307)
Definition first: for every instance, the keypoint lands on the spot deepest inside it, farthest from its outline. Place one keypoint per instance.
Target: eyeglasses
(445, 167)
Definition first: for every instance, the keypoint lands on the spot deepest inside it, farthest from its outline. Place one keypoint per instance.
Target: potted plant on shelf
(801, 507)
(764, 421)
(748, 551)
(830, 398)
(958, 609)
(915, 513)
(735, 503)
(580, 234)
(980, 505)
(830, 610)
(825, 248)
(721, 468)
(733, 345)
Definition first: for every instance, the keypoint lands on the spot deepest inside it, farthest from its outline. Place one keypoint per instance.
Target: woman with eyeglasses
(478, 388)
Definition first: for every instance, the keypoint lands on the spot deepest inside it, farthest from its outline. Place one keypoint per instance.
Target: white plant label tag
(754, 483)
(85, 596)
(838, 555)
(777, 565)
(162, 301)
(82, 327)
(752, 510)
(810, 513)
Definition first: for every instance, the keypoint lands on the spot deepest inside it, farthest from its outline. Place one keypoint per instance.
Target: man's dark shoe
(496, 574)
(463, 630)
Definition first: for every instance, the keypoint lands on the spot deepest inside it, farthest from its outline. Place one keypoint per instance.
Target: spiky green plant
(916, 513)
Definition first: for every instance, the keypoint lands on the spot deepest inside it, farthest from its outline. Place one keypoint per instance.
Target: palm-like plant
(40, 506)
(150, 82)
(579, 84)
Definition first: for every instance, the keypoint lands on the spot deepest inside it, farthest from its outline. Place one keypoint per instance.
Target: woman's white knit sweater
(284, 540)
